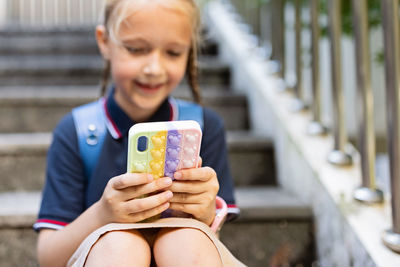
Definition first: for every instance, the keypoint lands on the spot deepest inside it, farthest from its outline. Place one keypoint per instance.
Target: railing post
(298, 103)
(56, 13)
(315, 127)
(338, 156)
(368, 192)
(266, 29)
(3, 12)
(69, 16)
(277, 21)
(392, 73)
(20, 12)
(32, 12)
(81, 12)
(46, 13)
(253, 10)
(44, 19)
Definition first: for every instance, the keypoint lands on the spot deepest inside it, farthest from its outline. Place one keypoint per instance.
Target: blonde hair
(116, 11)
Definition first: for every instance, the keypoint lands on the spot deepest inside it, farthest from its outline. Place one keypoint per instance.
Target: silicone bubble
(171, 146)
(162, 148)
(140, 166)
(173, 152)
(157, 153)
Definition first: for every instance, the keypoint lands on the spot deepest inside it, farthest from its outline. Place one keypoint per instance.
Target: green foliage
(374, 14)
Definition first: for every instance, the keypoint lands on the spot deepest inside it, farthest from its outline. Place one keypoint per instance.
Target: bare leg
(120, 248)
(184, 247)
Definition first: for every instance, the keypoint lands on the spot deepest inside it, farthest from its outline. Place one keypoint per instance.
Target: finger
(154, 186)
(187, 198)
(147, 203)
(199, 211)
(187, 208)
(200, 162)
(190, 187)
(195, 174)
(130, 179)
(140, 216)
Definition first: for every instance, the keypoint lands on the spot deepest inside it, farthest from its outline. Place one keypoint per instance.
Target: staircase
(45, 73)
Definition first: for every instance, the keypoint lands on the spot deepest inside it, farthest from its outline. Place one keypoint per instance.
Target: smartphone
(162, 148)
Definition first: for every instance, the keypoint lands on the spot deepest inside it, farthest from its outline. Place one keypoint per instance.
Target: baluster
(69, 12)
(20, 12)
(3, 12)
(81, 12)
(338, 156)
(315, 127)
(391, 237)
(368, 192)
(278, 39)
(44, 13)
(31, 12)
(56, 14)
(298, 103)
(265, 28)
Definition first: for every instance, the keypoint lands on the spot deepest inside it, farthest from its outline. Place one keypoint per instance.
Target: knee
(191, 246)
(120, 248)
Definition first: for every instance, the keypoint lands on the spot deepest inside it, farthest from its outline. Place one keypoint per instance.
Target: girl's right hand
(123, 201)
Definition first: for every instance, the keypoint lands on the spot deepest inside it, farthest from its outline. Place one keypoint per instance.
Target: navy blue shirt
(67, 193)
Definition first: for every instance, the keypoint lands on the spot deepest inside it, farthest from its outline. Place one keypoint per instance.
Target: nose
(154, 65)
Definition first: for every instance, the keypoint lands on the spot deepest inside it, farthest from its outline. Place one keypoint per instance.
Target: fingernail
(167, 181)
(150, 177)
(177, 175)
(168, 194)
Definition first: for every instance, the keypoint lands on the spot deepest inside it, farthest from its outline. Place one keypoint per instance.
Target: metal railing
(392, 71)
(368, 192)
(316, 126)
(49, 13)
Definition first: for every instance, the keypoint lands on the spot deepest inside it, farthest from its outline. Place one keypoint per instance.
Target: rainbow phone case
(161, 148)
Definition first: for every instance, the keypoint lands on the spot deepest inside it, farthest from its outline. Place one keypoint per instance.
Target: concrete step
(46, 41)
(82, 70)
(275, 228)
(23, 160)
(39, 108)
(277, 225)
(72, 41)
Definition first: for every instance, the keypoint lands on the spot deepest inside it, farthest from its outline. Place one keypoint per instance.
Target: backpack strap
(189, 111)
(91, 130)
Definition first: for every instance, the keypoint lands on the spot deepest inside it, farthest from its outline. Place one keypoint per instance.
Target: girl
(147, 46)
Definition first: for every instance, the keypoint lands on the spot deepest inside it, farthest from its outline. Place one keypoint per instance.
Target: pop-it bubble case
(161, 148)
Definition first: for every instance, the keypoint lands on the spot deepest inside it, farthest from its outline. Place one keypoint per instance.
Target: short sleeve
(63, 195)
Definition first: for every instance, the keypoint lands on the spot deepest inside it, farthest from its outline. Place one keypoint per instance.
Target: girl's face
(151, 58)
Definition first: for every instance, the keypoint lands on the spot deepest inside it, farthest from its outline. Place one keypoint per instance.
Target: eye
(173, 53)
(137, 50)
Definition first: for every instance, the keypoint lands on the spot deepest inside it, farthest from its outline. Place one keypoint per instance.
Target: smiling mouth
(149, 87)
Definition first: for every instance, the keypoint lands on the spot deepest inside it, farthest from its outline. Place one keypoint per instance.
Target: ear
(103, 41)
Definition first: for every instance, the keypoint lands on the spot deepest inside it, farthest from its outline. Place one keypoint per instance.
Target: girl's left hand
(194, 191)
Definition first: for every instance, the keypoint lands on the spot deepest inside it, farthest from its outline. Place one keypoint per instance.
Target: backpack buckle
(93, 137)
